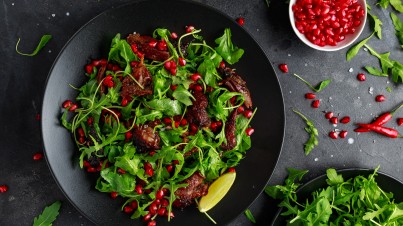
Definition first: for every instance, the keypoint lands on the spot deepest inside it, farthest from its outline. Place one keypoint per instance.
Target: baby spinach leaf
(44, 40)
(48, 215)
(226, 48)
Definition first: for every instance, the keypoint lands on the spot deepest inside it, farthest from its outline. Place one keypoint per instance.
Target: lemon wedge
(217, 190)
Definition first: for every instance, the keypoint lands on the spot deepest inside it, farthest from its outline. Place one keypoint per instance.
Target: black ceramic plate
(93, 41)
(386, 182)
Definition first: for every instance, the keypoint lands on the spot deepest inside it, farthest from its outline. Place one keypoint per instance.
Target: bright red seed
(152, 44)
(167, 120)
(361, 77)
(86, 164)
(240, 21)
(134, 63)
(37, 156)
(241, 109)
(181, 61)
(283, 67)
(167, 65)
(198, 88)
(150, 172)
(134, 204)
(161, 211)
(127, 209)
(164, 202)
(153, 208)
(334, 120)
(38, 117)
(121, 171)
(249, 131)
(345, 120)
(128, 135)
(147, 217)
(162, 45)
(177, 124)
(219, 123)
(399, 121)
(90, 121)
(213, 126)
(222, 64)
(67, 103)
(134, 48)
(183, 122)
(231, 170)
(193, 127)
(152, 223)
(114, 195)
(380, 98)
(3, 188)
(174, 35)
(333, 135)
(343, 134)
(172, 71)
(173, 87)
(195, 77)
(124, 102)
(248, 113)
(189, 28)
(160, 194)
(169, 168)
(310, 96)
(80, 132)
(329, 115)
(139, 189)
(91, 170)
(73, 107)
(89, 68)
(315, 103)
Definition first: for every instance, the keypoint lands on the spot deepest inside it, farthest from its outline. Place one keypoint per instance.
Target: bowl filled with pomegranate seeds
(328, 25)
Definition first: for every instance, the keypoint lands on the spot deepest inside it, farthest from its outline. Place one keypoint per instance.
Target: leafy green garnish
(250, 216)
(121, 52)
(396, 4)
(319, 87)
(226, 49)
(377, 25)
(389, 89)
(398, 24)
(356, 201)
(44, 40)
(352, 52)
(312, 131)
(48, 215)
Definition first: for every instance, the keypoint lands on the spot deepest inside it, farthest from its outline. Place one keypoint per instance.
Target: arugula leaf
(121, 52)
(383, 3)
(319, 87)
(397, 4)
(230, 53)
(377, 25)
(250, 216)
(312, 131)
(183, 95)
(374, 71)
(352, 52)
(333, 177)
(44, 40)
(121, 183)
(48, 215)
(209, 72)
(294, 174)
(398, 24)
(166, 105)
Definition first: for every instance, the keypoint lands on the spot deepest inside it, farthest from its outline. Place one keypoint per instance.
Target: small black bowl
(386, 182)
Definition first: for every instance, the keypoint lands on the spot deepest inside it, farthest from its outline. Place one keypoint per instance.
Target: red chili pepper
(389, 132)
(381, 120)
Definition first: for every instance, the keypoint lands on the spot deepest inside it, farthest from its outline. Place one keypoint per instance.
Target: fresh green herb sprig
(312, 131)
(44, 40)
(48, 215)
(398, 24)
(319, 87)
(250, 216)
(356, 201)
(396, 4)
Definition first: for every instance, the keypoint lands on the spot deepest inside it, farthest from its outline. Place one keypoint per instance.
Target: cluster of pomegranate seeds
(68, 104)
(361, 77)
(335, 120)
(380, 98)
(171, 66)
(37, 156)
(3, 188)
(108, 81)
(327, 22)
(240, 21)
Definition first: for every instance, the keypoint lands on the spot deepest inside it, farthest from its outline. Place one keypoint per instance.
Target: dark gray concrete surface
(22, 82)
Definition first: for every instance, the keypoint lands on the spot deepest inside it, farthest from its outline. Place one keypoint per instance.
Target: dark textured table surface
(31, 186)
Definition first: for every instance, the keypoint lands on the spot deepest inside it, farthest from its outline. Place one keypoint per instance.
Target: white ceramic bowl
(349, 39)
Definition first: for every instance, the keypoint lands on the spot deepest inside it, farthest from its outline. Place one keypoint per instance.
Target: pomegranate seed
(181, 61)
(86, 164)
(213, 126)
(177, 124)
(167, 65)
(231, 170)
(380, 98)
(89, 68)
(152, 223)
(139, 189)
(134, 63)
(183, 122)
(90, 121)
(3, 188)
(247, 113)
(162, 211)
(66, 104)
(175, 162)
(96, 63)
(400, 121)
(91, 170)
(310, 96)
(240, 21)
(174, 35)
(315, 103)
(173, 87)
(162, 45)
(147, 217)
(169, 168)
(334, 120)
(153, 208)
(343, 134)
(121, 171)
(345, 120)
(160, 194)
(150, 172)
(124, 102)
(189, 28)
(361, 77)
(241, 109)
(222, 64)
(114, 195)
(38, 117)
(329, 115)
(128, 135)
(127, 209)
(147, 165)
(333, 135)
(134, 48)
(73, 107)
(193, 127)
(195, 77)
(249, 131)
(167, 120)
(104, 62)
(80, 132)
(219, 123)
(198, 88)
(152, 44)
(164, 202)
(134, 204)
(172, 71)
(283, 67)
(37, 156)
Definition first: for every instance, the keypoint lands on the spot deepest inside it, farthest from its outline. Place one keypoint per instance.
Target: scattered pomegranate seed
(162, 45)
(91, 170)
(134, 204)
(198, 88)
(167, 65)
(195, 77)
(153, 208)
(152, 223)
(172, 71)
(90, 121)
(345, 120)
(329, 115)
(128, 135)
(283, 67)
(108, 81)
(174, 35)
(310, 96)
(152, 44)
(183, 122)
(73, 107)
(104, 62)
(169, 168)
(67, 103)
(80, 132)
(124, 102)
(147, 217)
(38, 117)
(164, 202)
(134, 48)
(334, 120)
(241, 109)
(189, 28)
(86, 164)
(400, 121)
(247, 113)
(37, 156)
(121, 171)
(380, 98)
(177, 124)
(96, 63)
(343, 134)
(333, 135)
(315, 103)
(167, 120)
(213, 126)
(361, 77)
(222, 64)
(219, 123)
(193, 127)
(162, 211)
(181, 61)
(240, 21)
(139, 189)
(173, 87)
(249, 131)
(149, 172)
(114, 194)
(231, 170)
(3, 188)
(89, 68)
(127, 209)
(160, 194)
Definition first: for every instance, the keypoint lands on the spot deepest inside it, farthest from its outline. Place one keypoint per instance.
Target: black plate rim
(217, 11)
(322, 176)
